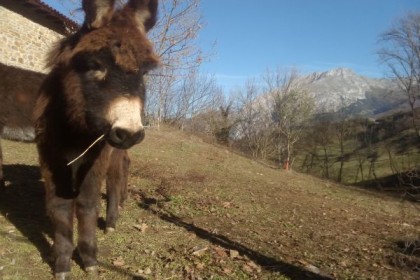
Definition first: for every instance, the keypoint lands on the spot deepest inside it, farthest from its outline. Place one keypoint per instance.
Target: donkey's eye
(94, 65)
(95, 70)
(117, 44)
(84, 63)
(98, 75)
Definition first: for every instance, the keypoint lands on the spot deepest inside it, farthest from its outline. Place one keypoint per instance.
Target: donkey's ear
(97, 12)
(145, 13)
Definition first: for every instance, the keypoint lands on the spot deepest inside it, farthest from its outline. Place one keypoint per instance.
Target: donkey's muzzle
(122, 138)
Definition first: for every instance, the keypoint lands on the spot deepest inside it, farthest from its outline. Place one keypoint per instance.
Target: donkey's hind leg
(124, 184)
(2, 184)
(116, 186)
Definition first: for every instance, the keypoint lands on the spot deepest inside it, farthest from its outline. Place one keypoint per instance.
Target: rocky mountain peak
(340, 72)
(340, 87)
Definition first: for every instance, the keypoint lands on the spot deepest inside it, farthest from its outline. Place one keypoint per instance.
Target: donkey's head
(102, 68)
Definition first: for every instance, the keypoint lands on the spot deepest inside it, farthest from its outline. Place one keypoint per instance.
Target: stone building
(28, 28)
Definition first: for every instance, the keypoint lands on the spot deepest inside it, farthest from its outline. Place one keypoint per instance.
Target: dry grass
(197, 211)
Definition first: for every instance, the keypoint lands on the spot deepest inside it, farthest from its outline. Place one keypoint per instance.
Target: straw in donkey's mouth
(85, 151)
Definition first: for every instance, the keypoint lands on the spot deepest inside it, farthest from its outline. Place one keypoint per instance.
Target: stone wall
(24, 43)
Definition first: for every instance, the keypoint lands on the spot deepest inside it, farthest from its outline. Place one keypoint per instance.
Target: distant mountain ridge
(343, 89)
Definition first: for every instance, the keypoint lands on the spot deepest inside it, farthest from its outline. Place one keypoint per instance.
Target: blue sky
(312, 35)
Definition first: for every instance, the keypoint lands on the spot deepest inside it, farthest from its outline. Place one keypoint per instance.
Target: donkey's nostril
(123, 138)
(140, 136)
(119, 135)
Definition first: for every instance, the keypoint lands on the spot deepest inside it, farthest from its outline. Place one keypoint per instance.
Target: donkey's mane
(121, 36)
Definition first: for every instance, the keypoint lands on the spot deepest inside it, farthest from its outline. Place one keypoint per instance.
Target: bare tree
(401, 54)
(246, 130)
(254, 125)
(195, 94)
(343, 130)
(322, 135)
(160, 96)
(175, 41)
(291, 107)
(223, 119)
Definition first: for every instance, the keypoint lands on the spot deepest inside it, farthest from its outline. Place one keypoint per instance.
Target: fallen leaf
(255, 266)
(220, 252)
(227, 270)
(313, 269)
(227, 204)
(187, 269)
(233, 254)
(118, 261)
(303, 262)
(142, 227)
(247, 268)
(199, 251)
(200, 265)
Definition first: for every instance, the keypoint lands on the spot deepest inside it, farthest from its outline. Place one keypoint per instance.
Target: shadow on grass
(268, 263)
(403, 185)
(121, 271)
(407, 255)
(409, 247)
(23, 204)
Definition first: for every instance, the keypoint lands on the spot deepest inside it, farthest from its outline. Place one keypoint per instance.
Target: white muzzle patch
(125, 113)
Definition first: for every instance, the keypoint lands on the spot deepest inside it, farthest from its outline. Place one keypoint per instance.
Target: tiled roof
(50, 14)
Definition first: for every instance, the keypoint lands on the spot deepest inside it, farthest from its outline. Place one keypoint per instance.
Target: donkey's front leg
(61, 213)
(2, 185)
(87, 215)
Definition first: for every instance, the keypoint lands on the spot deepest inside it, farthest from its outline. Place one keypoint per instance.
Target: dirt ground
(198, 211)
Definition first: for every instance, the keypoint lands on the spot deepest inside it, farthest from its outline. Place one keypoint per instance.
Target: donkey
(18, 94)
(93, 97)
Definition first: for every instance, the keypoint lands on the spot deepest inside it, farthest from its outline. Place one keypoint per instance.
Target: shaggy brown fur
(95, 88)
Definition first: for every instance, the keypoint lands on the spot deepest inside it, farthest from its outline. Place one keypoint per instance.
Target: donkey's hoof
(92, 272)
(62, 276)
(109, 230)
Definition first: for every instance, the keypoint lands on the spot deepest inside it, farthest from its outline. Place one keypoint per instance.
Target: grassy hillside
(197, 211)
